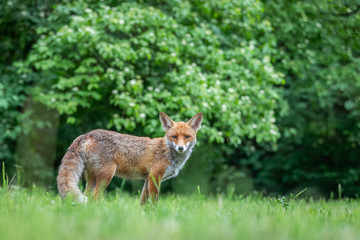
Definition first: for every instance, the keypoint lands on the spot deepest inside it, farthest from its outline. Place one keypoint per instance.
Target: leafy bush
(115, 65)
(18, 23)
(318, 51)
(182, 57)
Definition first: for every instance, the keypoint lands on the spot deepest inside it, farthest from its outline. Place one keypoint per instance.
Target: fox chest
(173, 169)
(177, 162)
(170, 172)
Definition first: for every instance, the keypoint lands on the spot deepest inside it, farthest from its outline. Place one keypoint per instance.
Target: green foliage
(12, 97)
(116, 64)
(179, 57)
(18, 23)
(319, 53)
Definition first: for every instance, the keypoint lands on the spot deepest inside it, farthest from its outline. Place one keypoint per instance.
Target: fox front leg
(154, 181)
(144, 193)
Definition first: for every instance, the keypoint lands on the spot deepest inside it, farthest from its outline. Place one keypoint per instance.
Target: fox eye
(175, 137)
(187, 136)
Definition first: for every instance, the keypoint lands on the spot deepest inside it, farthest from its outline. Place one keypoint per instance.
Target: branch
(348, 14)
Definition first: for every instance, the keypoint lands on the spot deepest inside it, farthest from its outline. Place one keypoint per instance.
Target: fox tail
(70, 171)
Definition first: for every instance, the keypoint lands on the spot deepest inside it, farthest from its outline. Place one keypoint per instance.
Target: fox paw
(82, 200)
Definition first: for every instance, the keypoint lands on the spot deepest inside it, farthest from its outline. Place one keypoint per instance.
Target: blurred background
(278, 83)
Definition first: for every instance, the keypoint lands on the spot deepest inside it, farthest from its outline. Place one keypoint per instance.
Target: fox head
(181, 136)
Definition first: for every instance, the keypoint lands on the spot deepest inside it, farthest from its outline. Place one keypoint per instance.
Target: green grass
(36, 214)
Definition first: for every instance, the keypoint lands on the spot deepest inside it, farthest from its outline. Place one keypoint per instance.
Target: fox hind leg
(103, 179)
(90, 182)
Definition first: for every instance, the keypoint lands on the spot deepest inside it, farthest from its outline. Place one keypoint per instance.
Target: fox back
(102, 154)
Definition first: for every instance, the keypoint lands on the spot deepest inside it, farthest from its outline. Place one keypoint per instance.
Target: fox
(100, 155)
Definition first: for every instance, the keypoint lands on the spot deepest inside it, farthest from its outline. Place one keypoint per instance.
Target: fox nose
(181, 148)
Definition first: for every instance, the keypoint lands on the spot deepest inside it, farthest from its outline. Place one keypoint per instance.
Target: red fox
(102, 154)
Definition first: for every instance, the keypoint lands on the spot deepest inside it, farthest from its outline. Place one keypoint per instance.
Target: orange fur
(102, 154)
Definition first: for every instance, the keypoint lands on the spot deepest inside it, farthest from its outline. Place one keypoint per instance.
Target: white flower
(273, 132)
(132, 82)
(244, 98)
(114, 91)
(90, 30)
(142, 115)
(131, 104)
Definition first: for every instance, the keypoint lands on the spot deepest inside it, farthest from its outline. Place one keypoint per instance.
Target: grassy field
(36, 214)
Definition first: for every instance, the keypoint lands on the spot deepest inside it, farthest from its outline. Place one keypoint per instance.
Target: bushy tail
(71, 168)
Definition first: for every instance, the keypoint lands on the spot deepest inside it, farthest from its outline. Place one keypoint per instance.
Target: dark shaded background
(314, 44)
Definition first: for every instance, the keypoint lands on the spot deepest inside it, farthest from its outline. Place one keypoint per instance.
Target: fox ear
(195, 121)
(166, 121)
